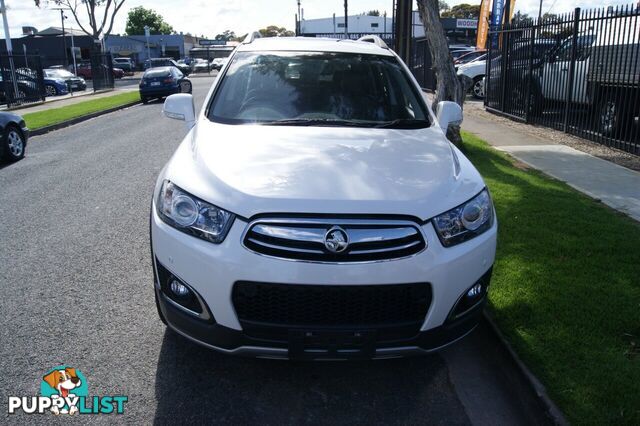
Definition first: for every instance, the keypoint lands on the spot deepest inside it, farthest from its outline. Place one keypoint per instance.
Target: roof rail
(372, 38)
(251, 36)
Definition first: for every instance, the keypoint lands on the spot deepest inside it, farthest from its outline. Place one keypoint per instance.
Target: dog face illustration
(63, 380)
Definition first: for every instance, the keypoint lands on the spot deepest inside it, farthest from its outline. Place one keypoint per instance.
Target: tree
(99, 13)
(443, 6)
(463, 11)
(226, 35)
(373, 13)
(275, 31)
(448, 87)
(139, 17)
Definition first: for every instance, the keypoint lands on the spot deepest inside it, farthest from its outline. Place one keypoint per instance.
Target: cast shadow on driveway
(197, 385)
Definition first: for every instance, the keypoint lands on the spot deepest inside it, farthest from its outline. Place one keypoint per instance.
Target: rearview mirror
(180, 107)
(448, 113)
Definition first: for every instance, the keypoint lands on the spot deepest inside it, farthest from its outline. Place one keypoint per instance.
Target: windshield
(58, 74)
(316, 88)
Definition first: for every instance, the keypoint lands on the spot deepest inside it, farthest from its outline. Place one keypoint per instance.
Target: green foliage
(462, 11)
(566, 289)
(275, 31)
(226, 35)
(375, 12)
(140, 16)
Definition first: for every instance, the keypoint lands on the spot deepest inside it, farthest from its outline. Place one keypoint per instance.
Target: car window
(156, 72)
(584, 43)
(271, 86)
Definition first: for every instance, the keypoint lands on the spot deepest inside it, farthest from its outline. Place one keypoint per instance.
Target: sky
(210, 17)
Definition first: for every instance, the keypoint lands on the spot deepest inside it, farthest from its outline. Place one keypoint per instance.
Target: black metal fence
(22, 80)
(578, 72)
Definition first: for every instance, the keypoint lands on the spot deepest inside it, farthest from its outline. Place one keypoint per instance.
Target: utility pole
(299, 23)
(346, 19)
(146, 35)
(64, 38)
(73, 53)
(540, 13)
(7, 39)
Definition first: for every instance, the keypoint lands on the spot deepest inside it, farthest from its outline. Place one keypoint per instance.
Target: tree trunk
(448, 87)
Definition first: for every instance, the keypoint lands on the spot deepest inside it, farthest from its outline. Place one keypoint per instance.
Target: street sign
(204, 42)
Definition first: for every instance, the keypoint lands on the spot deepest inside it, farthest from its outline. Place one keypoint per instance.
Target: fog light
(179, 289)
(475, 291)
(472, 297)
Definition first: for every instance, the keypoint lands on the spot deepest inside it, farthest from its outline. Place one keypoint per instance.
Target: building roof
(312, 44)
(57, 31)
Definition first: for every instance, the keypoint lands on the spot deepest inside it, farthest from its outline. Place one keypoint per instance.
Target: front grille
(305, 239)
(344, 306)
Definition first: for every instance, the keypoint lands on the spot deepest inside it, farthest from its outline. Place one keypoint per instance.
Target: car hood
(253, 169)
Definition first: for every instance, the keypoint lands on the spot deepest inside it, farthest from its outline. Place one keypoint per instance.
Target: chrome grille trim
(302, 239)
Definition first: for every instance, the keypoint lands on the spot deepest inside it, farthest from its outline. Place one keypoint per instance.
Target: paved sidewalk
(616, 186)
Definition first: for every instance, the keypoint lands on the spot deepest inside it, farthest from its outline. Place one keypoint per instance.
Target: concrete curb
(552, 410)
(67, 123)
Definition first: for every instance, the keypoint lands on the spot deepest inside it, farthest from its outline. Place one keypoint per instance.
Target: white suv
(315, 210)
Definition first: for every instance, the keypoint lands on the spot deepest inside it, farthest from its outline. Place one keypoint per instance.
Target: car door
(556, 70)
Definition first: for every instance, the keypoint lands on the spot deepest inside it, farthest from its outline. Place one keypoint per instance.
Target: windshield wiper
(319, 122)
(404, 123)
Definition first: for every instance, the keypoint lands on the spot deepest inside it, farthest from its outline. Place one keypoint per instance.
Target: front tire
(50, 90)
(477, 90)
(612, 116)
(13, 143)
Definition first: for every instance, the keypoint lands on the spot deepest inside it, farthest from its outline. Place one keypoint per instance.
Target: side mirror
(180, 107)
(448, 113)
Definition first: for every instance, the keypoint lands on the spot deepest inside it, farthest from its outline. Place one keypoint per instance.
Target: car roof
(158, 69)
(313, 44)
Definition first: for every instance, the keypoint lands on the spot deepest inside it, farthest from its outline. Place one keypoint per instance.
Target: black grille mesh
(331, 305)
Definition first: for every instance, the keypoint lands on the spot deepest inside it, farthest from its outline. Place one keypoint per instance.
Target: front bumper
(212, 271)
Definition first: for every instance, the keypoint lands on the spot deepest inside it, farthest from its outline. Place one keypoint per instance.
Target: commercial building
(457, 30)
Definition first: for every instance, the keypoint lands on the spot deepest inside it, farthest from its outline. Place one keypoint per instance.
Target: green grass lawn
(36, 120)
(566, 289)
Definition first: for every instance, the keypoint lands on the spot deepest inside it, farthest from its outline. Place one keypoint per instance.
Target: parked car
(316, 210)
(166, 62)
(469, 56)
(475, 70)
(84, 71)
(163, 81)
(26, 82)
(125, 64)
(14, 137)
(218, 63)
(201, 65)
(606, 74)
(60, 82)
(518, 64)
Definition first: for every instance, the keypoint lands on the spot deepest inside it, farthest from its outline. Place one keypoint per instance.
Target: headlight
(466, 221)
(191, 215)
